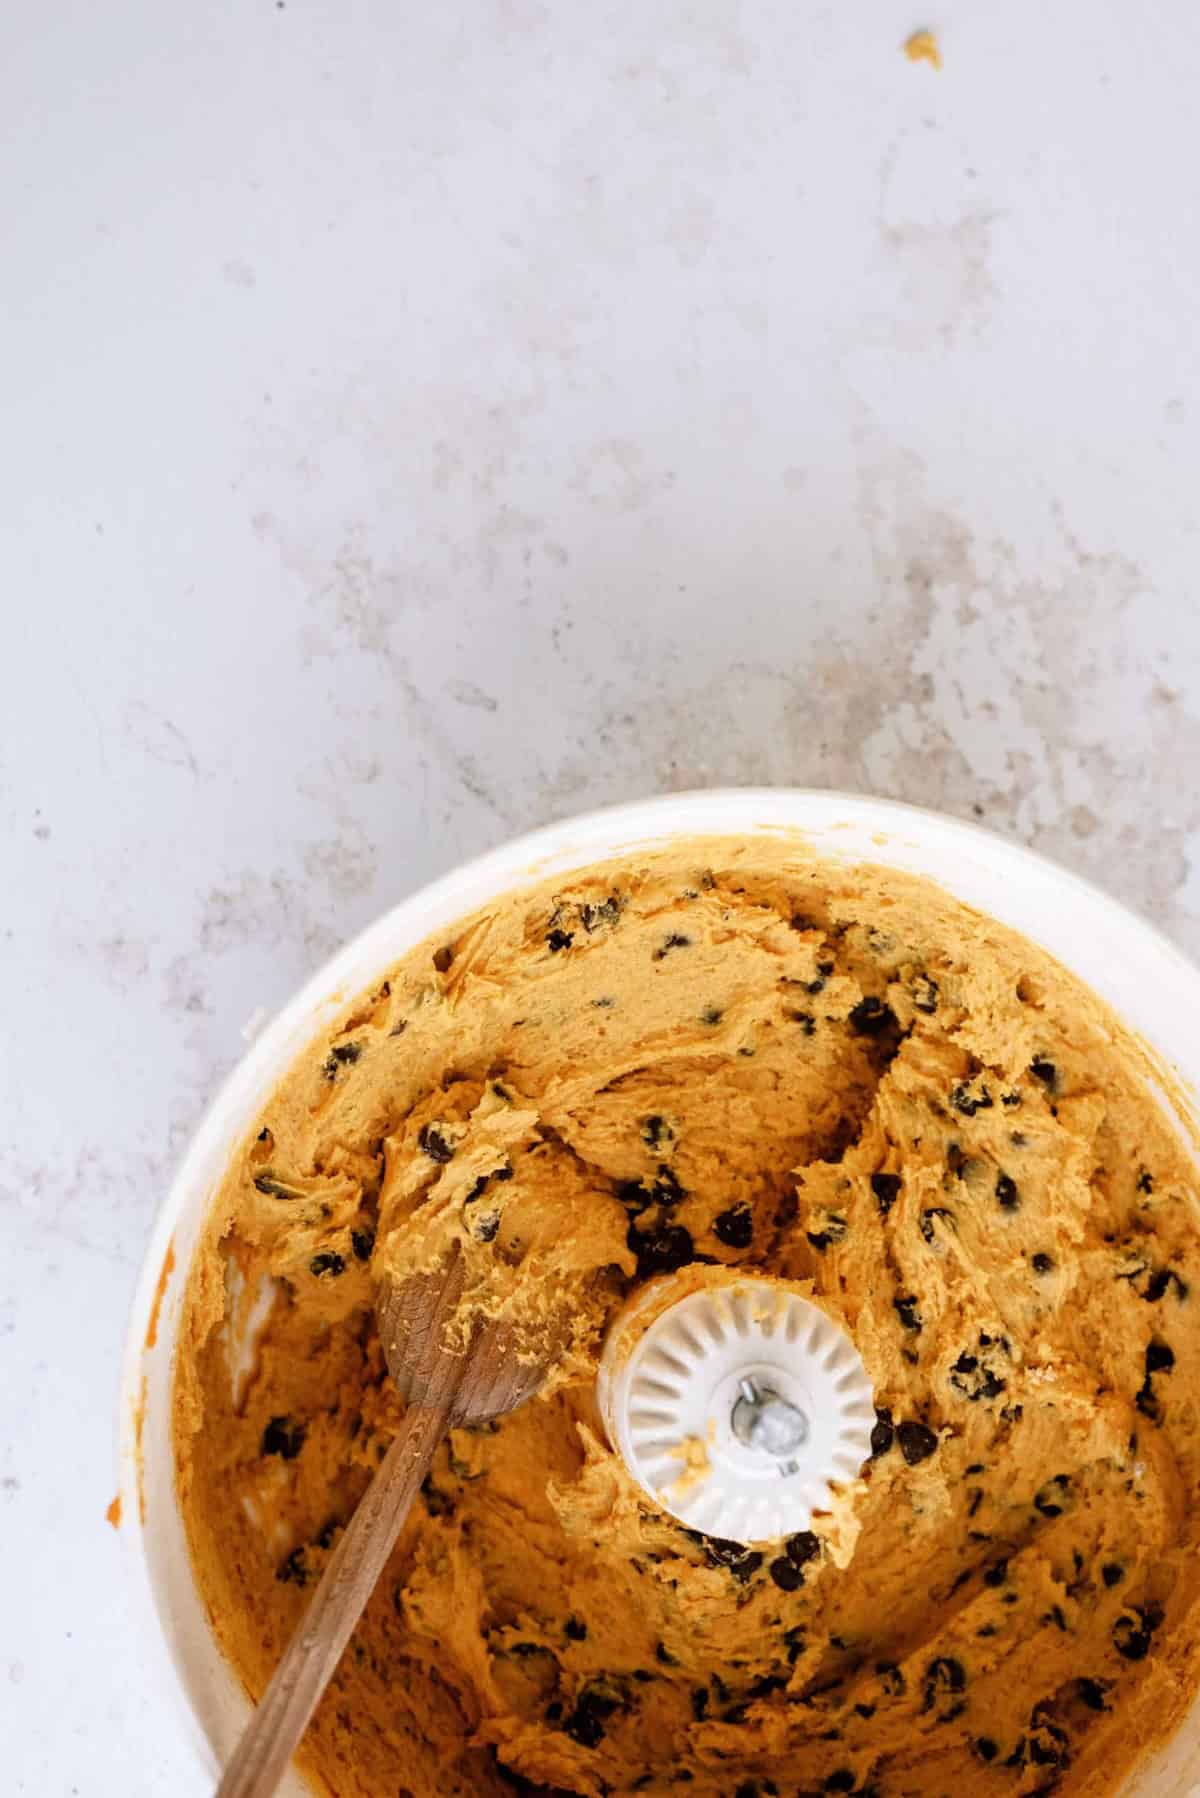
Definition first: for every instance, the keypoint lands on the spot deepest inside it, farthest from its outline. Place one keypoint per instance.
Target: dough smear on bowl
(733, 1051)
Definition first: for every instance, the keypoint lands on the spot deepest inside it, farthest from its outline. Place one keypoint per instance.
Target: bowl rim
(589, 838)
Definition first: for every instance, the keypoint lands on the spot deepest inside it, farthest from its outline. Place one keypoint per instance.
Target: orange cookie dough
(734, 1052)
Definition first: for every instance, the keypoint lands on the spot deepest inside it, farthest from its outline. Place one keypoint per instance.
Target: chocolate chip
(666, 1189)
(803, 1547)
(283, 1436)
(1048, 1744)
(906, 1311)
(925, 994)
(996, 1574)
(340, 1056)
(833, 1229)
(1043, 1264)
(944, 1677)
(362, 1242)
(1051, 1499)
(663, 1653)
(1133, 1633)
(435, 1144)
(504, 1172)
(1160, 1282)
(1010, 1100)
(974, 1379)
(842, 1780)
(1147, 1403)
(871, 1016)
(293, 1571)
(558, 940)
(699, 1703)
(583, 1725)
(805, 1020)
(443, 957)
(787, 1576)
(882, 1433)
(985, 1748)
(276, 1189)
(486, 1229)
(327, 1265)
(927, 1220)
(593, 1708)
(1055, 1616)
(675, 941)
(607, 911)
(661, 1251)
(719, 1551)
(1006, 1192)
(886, 1188)
(1160, 1358)
(575, 1629)
(964, 1100)
(735, 1227)
(1112, 1573)
(477, 1191)
(711, 1015)
(1045, 1071)
(917, 1442)
(635, 1197)
(893, 1680)
(748, 1565)
(655, 1130)
(438, 1504)
(1093, 1693)
(1145, 1181)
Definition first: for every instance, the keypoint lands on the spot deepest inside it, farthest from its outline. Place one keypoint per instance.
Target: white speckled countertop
(423, 422)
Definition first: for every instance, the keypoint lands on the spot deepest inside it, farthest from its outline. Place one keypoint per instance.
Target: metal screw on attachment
(762, 1419)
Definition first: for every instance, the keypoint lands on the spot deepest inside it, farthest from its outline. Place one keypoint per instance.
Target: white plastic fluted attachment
(734, 1403)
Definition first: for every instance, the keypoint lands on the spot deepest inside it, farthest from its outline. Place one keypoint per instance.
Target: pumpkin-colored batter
(842, 1077)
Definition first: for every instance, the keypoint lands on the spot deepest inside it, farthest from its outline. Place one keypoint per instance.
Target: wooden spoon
(442, 1388)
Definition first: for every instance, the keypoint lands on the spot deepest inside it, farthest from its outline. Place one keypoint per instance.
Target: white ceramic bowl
(1141, 975)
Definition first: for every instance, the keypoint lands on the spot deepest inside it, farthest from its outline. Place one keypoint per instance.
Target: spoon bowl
(447, 1376)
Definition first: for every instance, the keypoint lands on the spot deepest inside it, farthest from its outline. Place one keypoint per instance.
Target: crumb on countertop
(923, 46)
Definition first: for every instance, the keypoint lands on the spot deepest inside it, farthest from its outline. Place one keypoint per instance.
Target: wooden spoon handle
(311, 1656)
